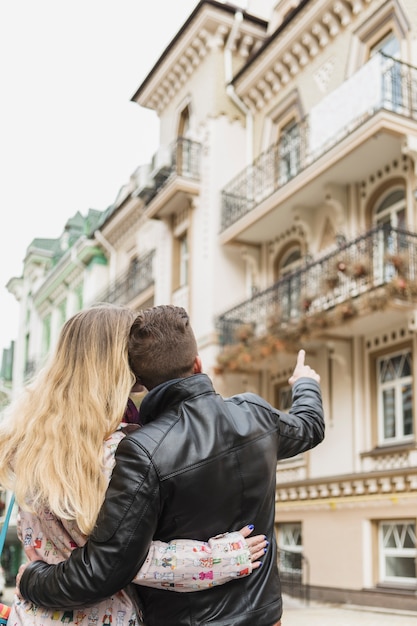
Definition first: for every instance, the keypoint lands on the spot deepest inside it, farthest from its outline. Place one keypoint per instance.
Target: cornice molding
(298, 44)
(124, 220)
(208, 30)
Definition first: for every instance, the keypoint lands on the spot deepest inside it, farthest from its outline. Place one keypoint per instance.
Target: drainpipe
(230, 90)
(111, 251)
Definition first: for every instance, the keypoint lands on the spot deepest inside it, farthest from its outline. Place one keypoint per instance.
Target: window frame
(284, 267)
(183, 260)
(389, 19)
(294, 548)
(391, 552)
(397, 384)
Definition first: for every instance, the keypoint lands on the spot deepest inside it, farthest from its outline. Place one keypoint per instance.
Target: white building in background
(280, 211)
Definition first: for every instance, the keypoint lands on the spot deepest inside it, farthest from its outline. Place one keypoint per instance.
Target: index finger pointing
(301, 357)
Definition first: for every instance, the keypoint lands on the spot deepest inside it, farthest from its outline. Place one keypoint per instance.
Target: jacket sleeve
(117, 546)
(302, 428)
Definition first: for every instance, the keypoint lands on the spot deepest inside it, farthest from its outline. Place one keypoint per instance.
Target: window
(395, 397)
(62, 308)
(181, 256)
(79, 297)
(283, 397)
(28, 364)
(389, 49)
(391, 210)
(184, 123)
(184, 151)
(289, 151)
(282, 144)
(397, 549)
(183, 260)
(290, 547)
(390, 216)
(289, 290)
(46, 334)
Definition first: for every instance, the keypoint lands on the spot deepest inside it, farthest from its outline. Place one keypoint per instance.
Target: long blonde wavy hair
(51, 442)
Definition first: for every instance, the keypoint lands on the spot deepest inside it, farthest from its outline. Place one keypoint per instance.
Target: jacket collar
(172, 393)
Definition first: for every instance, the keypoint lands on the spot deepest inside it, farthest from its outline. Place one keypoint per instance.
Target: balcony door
(289, 152)
(389, 49)
(183, 150)
(390, 218)
(289, 282)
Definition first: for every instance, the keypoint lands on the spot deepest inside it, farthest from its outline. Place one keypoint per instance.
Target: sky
(69, 134)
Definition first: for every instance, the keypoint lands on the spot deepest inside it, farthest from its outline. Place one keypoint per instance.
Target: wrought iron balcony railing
(383, 83)
(294, 573)
(132, 283)
(384, 257)
(182, 158)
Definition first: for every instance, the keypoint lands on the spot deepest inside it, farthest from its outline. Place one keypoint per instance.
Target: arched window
(390, 217)
(289, 281)
(391, 210)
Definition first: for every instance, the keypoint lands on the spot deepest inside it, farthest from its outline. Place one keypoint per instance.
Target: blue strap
(6, 524)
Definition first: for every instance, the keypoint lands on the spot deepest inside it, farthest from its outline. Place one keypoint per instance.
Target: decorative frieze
(352, 487)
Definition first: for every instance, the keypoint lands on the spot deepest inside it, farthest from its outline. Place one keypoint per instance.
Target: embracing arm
(117, 546)
(188, 565)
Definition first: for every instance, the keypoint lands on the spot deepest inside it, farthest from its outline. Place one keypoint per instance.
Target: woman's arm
(187, 565)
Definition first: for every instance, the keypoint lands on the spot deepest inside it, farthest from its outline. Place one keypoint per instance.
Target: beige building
(281, 210)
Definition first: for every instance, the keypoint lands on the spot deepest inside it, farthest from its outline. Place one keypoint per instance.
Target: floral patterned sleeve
(188, 565)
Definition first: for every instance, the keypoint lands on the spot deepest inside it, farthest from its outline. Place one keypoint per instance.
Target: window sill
(390, 449)
(400, 588)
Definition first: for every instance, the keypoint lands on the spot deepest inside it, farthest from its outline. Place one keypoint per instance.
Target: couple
(199, 464)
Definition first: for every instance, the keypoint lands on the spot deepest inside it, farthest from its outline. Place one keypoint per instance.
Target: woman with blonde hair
(57, 449)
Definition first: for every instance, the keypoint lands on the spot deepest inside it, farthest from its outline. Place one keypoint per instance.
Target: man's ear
(198, 367)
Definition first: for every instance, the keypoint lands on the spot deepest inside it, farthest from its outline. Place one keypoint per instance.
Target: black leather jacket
(200, 465)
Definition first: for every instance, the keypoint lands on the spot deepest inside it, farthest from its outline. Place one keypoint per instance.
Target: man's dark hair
(162, 345)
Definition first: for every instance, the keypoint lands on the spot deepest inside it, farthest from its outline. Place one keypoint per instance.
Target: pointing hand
(302, 370)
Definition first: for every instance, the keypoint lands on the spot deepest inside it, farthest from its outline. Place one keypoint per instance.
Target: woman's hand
(257, 545)
(31, 555)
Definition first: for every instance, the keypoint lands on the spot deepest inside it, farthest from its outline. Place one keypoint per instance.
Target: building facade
(280, 210)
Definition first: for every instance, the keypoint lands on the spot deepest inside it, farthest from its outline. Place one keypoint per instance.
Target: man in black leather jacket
(199, 464)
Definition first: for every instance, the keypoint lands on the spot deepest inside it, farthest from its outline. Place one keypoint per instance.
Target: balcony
(128, 286)
(173, 173)
(364, 284)
(376, 103)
